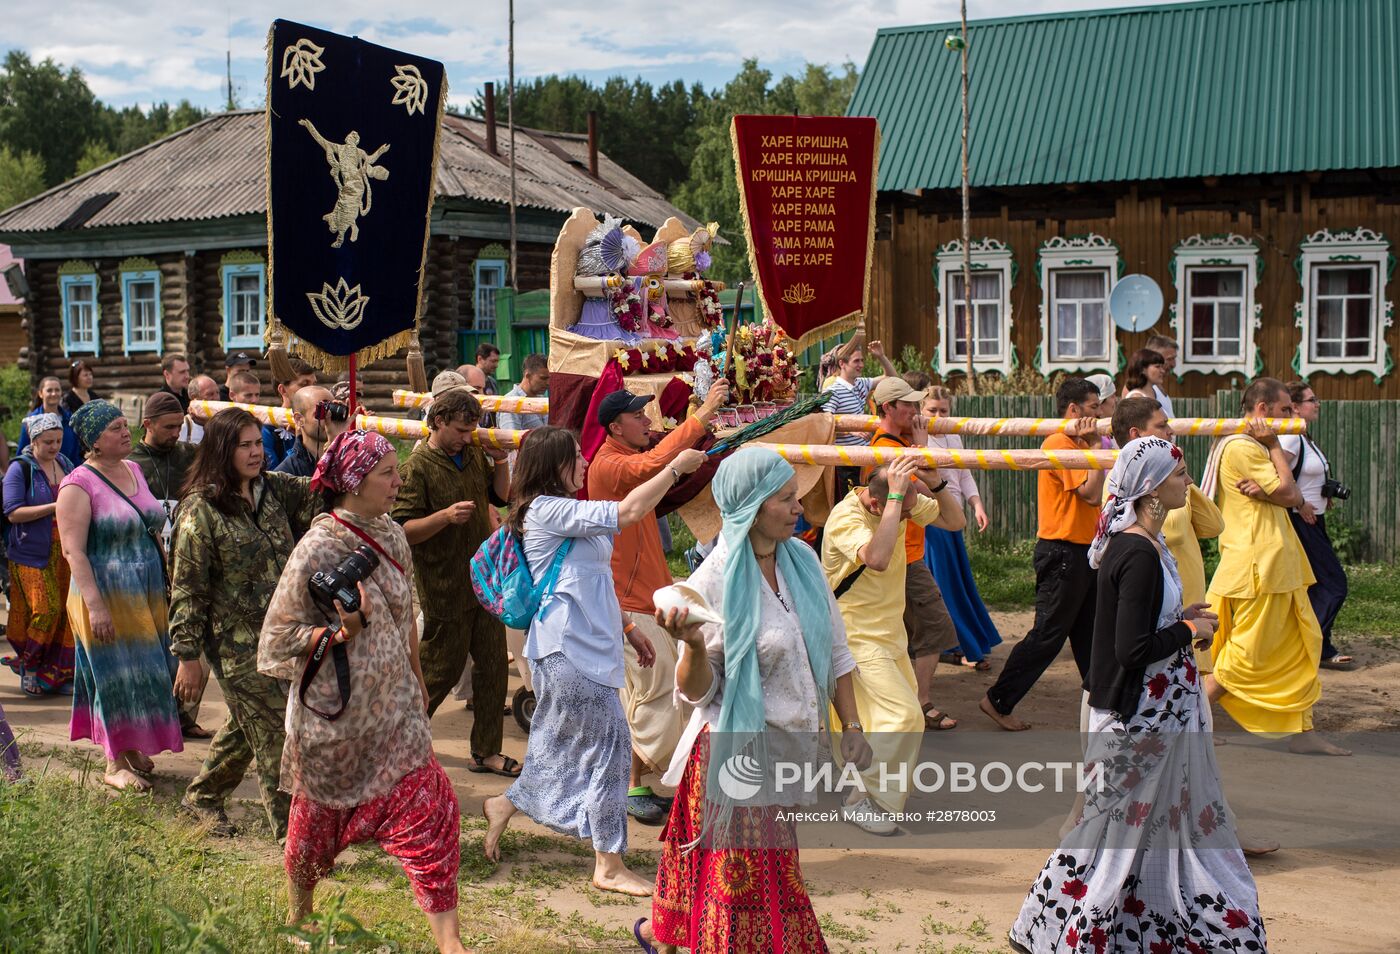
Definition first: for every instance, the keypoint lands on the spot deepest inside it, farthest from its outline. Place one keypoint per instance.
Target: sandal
(196, 731)
(641, 941)
(981, 665)
(1341, 662)
(934, 719)
(510, 768)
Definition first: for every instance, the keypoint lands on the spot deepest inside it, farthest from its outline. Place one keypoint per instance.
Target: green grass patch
(1003, 571)
(1372, 608)
(85, 871)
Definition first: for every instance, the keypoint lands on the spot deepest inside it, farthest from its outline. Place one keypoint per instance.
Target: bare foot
(139, 763)
(124, 779)
(1310, 743)
(497, 809)
(623, 881)
(1008, 722)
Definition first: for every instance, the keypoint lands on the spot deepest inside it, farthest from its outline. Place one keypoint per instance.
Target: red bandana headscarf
(348, 459)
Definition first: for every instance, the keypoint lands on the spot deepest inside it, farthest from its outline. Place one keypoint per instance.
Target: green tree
(711, 192)
(94, 154)
(47, 112)
(21, 177)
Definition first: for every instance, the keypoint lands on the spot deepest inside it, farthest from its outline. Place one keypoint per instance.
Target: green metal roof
(1222, 87)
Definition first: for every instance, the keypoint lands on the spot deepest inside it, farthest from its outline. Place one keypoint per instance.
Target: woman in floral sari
(1153, 863)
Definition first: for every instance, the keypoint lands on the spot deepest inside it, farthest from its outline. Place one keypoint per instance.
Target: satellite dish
(1135, 303)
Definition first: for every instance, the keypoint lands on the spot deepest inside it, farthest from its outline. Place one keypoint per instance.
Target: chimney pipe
(593, 143)
(489, 108)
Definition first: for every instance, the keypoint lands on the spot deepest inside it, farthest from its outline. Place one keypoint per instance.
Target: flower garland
(761, 365)
(628, 307)
(710, 310)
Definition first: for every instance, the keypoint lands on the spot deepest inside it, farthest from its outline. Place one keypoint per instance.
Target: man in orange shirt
(926, 619)
(639, 569)
(1065, 584)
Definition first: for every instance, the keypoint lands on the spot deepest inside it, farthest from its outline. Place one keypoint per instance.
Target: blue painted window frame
(128, 280)
(66, 284)
(486, 264)
(232, 341)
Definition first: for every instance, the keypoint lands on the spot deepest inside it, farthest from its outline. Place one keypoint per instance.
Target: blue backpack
(502, 582)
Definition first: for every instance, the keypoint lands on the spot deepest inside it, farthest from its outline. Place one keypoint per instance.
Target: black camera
(1335, 490)
(329, 587)
(333, 411)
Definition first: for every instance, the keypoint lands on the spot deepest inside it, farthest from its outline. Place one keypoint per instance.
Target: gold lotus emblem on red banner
(799, 294)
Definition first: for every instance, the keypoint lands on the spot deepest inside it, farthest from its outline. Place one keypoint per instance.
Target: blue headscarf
(90, 420)
(743, 483)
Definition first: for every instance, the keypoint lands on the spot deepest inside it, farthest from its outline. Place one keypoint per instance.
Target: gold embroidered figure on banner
(410, 89)
(339, 307)
(351, 170)
(301, 62)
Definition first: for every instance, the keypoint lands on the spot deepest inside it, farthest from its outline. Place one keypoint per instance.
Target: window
(77, 283)
(141, 313)
(993, 273)
(244, 300)
(1216, 327)
(490, 276)
(1076, 333)
(1215, 314)
(1343, 313)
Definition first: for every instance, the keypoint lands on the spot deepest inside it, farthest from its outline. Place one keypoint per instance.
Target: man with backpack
(622, 464)
(448, 484)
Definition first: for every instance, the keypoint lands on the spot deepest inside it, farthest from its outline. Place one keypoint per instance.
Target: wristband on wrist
(1191, 625)
(852, 725)
(889, 497)
(675, 475)
(939, 488)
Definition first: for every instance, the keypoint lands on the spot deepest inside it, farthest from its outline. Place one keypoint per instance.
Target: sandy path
(1331, 895)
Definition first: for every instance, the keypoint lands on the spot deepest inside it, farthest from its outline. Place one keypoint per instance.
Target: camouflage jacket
(224, 569)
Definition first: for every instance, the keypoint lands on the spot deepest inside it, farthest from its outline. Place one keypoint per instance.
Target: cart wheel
(523, 707)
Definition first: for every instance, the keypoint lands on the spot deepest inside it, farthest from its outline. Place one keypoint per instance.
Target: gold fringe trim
(845, 322)
(329, 363)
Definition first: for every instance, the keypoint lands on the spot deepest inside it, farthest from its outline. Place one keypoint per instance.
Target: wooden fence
(1360, 438)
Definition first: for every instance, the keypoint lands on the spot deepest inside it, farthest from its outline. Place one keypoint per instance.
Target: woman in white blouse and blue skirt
(762, 683)
(945, 551)
(574, 780)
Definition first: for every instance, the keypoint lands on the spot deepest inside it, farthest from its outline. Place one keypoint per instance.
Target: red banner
(807, 192)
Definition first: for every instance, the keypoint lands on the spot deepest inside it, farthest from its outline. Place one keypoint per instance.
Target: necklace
(779, 595)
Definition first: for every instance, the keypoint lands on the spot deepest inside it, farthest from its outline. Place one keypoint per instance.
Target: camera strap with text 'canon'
(341, 657)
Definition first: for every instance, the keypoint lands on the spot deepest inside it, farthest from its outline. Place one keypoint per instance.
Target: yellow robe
(887, 696)
(1267, 648)
(1184, 529)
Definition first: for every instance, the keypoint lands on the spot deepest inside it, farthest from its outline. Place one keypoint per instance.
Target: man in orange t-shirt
(639, 569)
(1065, 584)
(926, 620)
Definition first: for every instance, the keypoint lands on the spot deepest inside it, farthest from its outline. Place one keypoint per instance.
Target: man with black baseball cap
(639, 568)
(235, 362)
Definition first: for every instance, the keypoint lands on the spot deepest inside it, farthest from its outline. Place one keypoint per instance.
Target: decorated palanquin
(625, 314)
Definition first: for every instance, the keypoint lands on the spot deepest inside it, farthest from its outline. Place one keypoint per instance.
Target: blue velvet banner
(352, 147)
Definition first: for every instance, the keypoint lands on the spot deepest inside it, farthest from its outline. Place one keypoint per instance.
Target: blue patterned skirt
(575, 776)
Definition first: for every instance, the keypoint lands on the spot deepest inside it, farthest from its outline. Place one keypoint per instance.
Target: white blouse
(1314, 471)
(790, 698)
(960, 482)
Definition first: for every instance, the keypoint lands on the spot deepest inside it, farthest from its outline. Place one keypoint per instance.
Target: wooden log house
(1245, 154)
(164, 249)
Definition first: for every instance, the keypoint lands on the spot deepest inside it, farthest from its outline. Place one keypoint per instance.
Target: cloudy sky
(167, 50)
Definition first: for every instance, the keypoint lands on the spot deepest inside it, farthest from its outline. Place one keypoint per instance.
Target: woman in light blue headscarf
(760, 683)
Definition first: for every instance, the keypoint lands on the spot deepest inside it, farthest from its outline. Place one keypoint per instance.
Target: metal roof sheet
(1221, 87)
(215, 168)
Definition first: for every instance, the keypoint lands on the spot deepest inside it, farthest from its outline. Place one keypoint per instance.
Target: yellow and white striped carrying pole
(489, 402)
(1045, 426)
(826, 455)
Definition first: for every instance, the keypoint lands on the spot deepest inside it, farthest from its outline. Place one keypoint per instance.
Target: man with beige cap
(926, 620)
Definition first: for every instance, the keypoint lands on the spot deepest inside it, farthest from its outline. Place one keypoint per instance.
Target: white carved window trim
(1361, 247)
(138, 336)
(1079, 253)
(988, 255)
(1216, 251)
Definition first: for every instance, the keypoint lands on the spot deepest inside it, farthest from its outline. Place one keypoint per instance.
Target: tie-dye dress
(122, 688)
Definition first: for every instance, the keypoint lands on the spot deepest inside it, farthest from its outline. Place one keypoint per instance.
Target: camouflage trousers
(443, 650)
(257, 708)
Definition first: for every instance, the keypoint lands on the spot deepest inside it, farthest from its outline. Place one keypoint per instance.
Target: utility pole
(510, 135)
(968, 316)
